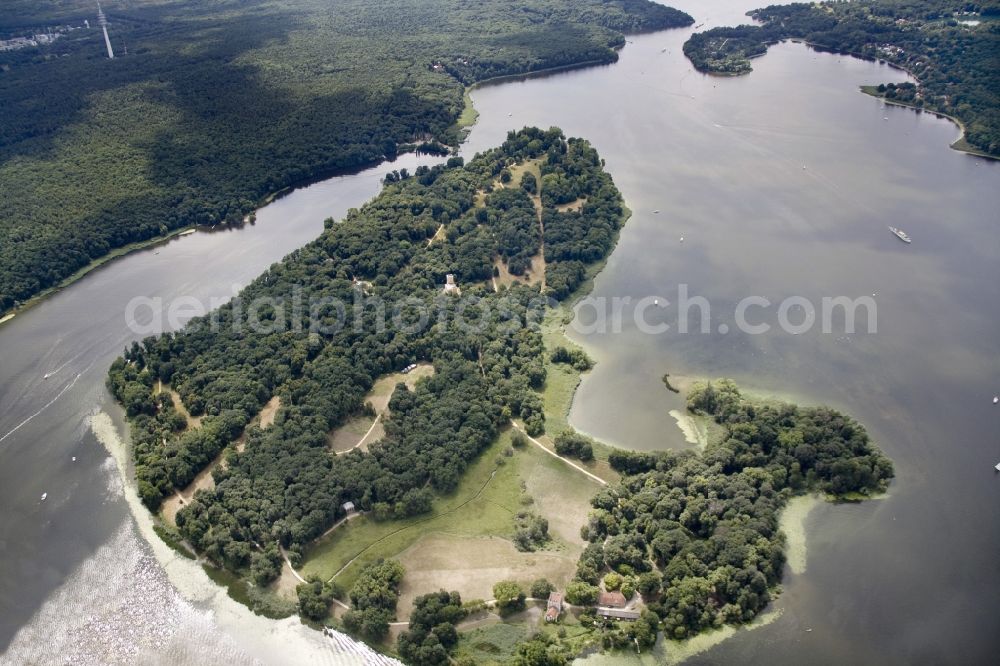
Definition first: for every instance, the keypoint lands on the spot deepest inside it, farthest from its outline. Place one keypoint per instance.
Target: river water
(781, 184)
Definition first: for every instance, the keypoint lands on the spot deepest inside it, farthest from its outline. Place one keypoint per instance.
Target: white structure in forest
(102, 21)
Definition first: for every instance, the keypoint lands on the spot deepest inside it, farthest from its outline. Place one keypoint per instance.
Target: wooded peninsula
(690, 540)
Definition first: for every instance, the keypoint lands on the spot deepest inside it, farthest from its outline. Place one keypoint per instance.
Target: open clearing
(465, 545)
(204, 480)
(536, 274)
(472, 565)
(357, 432)
(531, 276)
(175, 397)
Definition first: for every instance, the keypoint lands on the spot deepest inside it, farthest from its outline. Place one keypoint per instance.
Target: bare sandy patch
(204, 481)
(175, 397)
(533, 275)
(472, 565)
(438, 237)
(269, 411)
(286, 583)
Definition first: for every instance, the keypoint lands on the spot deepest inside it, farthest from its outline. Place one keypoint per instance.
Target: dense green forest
(286, 485)
(698, 533)
(951, 47)
(218, 103)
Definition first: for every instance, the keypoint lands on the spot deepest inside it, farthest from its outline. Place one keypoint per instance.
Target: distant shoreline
(114, 254)
(125, 250)
(960, 144)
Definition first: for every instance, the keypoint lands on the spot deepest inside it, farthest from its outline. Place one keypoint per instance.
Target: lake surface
(911, 578)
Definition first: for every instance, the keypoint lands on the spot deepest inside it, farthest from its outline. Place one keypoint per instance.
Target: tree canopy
(283, 484)
(217, 105)
(701, 531)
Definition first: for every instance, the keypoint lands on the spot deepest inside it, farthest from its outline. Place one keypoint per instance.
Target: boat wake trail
(47, 405)
(59, 369)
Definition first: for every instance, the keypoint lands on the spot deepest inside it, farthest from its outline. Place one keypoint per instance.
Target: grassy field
(369, 540)
(465, 544)
(469, 115)
(561, 381)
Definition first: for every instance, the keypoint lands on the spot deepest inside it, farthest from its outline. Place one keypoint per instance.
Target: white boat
(47, 375)
(44, 495)
(997, 467)
(900, 234)
(186, 232)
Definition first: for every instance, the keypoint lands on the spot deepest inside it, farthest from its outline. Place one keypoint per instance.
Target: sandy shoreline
(270, 641)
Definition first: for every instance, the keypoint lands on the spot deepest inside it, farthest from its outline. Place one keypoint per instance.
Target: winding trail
(378, 417)
(556, 455)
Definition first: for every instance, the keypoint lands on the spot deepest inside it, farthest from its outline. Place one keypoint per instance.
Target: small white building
(449, 284)
(348, 507)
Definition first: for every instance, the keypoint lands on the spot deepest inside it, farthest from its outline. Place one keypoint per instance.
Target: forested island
(282, 483)
(697, 534)
(210, 107)
(950, 47)
(693, 539)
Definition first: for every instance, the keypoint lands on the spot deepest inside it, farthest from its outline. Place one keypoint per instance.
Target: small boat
(996, 399)
(656, 211)
(186, 232)
(47, 375)
(900, 234)
(997, 467)
(44, 495)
